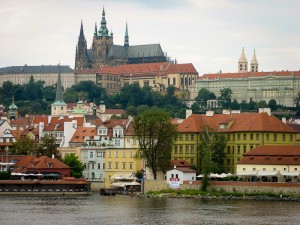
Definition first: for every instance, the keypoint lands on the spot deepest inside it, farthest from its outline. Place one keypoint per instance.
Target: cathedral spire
(254, 63)
(103, 31)
(243, 63)
(95, 32)
(81, 60)
(126, 41)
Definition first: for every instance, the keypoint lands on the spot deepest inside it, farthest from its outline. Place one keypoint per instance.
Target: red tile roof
(57, 123)
(272, 155)
(247, 75)
(180, 163)
(40, 118)
(82, 132)
(245, 122)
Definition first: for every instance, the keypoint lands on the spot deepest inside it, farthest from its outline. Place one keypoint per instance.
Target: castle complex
(105, 53)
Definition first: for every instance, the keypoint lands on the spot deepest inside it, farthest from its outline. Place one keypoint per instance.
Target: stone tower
(243, 63)
(254, 63)
(59, 107)
(81, 59)
(102, 41)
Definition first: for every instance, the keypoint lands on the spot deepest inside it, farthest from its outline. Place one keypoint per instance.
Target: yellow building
(243, 132)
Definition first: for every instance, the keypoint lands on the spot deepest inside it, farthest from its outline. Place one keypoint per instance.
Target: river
(119, 210)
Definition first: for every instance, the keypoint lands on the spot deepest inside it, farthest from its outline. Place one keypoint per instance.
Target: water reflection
(96, 209)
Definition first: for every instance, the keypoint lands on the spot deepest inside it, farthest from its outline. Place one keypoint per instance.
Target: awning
(291, 174)
(266, 173)
(123, 176)
(124, 184)
(247, 173)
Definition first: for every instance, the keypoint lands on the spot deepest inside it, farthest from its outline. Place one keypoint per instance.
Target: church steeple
(254, 63)
(13, 113)
(59, 107)
(96, 31)
(243, 63)
(81, 61)
(126, 41)
(103, 31)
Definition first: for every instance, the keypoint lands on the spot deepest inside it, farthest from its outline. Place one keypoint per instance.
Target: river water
(119, 210)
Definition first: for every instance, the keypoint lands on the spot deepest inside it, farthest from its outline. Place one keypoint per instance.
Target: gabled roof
(57, 123)
(44, 161)
(40, 118)
(272, 155)
(245, 122)
(182, 68)
(180, 163)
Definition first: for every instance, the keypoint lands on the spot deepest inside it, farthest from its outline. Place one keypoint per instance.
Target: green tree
(48, 147)
(211, 153)
(76, 165)
(203, 96)
(24, 146)
(261, 104)
(235, 105)
(155, 133)
(272, 104)
(225, 97)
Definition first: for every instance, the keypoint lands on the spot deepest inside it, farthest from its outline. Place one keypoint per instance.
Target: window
(245, 137)
(228, 137)
(99, 154)
(103, 166)
(187, 137)
(93, 165)
(291, 137)
(176, 150)
(109, 154)
(284, 169)
(228, 161)
(176, 175)
(181, 137)
(244, 148)
(274, 169)
(99, 166)
(124, 154)
(131, 154)
(117, 166)
(251, 147)
(254, 169)
(117, 142)
(186, 149)
(192, 161)
(251, 137)
(264, 169)
(131, 166)
(244, 169)
(257, 137)
(283, 137)
(228, 149)
(239, 149)
(295, 169)
(192, 149)
(109, 165)
(134, 142)
(239, 137)
(123, 166)
(267, 137)
(275, 137)
(117, 154)
(91, 154)
(192, 137)
(180, 149)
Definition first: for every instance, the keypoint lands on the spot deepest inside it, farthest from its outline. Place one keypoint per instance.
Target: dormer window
(50, 165)
(223, 125)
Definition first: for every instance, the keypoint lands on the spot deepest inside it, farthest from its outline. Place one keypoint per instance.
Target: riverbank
(213, 194)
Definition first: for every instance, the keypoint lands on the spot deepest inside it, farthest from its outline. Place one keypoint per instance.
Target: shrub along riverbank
(220, 194)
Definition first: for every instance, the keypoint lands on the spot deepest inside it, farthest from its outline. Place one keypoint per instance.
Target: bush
(5, 175)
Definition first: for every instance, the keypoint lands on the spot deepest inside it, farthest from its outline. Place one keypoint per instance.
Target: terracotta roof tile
(82, 132)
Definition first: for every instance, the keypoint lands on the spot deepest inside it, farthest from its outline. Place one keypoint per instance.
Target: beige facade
(22, 74)
(281, 86)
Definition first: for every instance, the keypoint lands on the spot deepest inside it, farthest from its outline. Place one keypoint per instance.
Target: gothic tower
(243, 63)
(254, 63)
(59, 107)
(102, 41)
(81, 59)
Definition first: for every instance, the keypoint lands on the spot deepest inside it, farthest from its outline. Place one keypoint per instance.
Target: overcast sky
(209, 34)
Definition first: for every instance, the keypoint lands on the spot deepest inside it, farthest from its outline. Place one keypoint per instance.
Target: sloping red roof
(272, 155)
(182, 68)
(57, 123)
(244, 122)
(214, 76)
(82, 132)
(180, 163)
(17, 134)
(114, 111)
(44, 161)
(40, 118)
(21, 122)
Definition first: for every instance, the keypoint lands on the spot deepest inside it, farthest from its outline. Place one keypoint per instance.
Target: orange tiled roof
(82, 132)
(44, 161)
(114, 111)
(244, 122)
(40, 118)
(180, 163)
(57, 123)
(214, 76)
(272, 155)
(182, 68)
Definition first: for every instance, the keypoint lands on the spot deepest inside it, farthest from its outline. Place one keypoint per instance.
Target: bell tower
(243, 63)
(254, 63)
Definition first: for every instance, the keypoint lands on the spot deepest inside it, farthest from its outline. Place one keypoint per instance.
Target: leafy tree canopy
(76, 165)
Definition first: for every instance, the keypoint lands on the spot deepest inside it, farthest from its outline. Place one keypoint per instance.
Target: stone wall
(247, 187)
(155, 185)
(95, 186)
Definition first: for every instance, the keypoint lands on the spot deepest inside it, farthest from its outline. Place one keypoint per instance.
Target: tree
(48, 147)
(155, 133)
(272, 104)
(211, 153)
(203, 96)
(24, 146)
(225, 97)
(261, 104)
(76, 165)
(235, 105)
